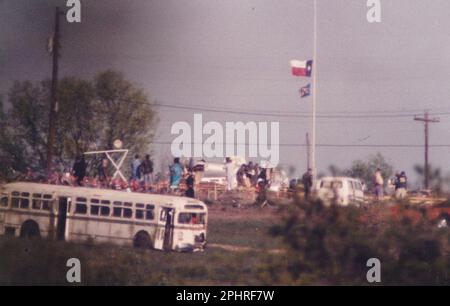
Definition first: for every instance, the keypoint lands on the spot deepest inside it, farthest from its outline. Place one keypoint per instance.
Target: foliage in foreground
(331, 245)
(311, 245)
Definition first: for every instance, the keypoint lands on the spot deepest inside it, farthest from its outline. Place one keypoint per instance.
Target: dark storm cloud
(234, 54)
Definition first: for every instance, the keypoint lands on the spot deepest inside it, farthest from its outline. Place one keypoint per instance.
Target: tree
(365, 170)
(125, 112)
(10, 153)
(91, 115)
(77, 123)
(28, 121)
(437, 180)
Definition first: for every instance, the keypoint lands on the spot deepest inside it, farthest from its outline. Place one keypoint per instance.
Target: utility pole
(308, 152)
(313, 151)
(54, 93)
(426, 120)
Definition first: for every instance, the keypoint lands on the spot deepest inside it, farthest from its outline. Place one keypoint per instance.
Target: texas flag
(301, 68)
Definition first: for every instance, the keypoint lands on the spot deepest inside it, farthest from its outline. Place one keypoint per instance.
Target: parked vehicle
(341, 190)
(103, 216)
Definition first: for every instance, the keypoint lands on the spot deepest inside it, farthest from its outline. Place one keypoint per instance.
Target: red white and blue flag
(301, 68)
(305, 91)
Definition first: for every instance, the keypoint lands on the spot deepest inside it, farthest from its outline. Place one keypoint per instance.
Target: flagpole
(313, 145)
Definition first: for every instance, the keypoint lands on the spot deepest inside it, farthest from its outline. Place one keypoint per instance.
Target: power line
(323, 145)
(291, 115)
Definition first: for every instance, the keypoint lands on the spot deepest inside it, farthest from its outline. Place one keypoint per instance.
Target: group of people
(400, 183)
(247, 175)
(142, 171)
(178, 173)
(141, 178)
(141, 175)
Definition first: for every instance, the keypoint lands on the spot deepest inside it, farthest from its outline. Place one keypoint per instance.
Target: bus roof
(100, 193)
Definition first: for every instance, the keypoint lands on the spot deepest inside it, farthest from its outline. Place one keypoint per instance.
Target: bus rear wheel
(30, 229)
(142, 240)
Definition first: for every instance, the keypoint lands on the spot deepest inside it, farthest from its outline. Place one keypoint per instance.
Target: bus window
(191, 218)
(119, 211)
(20, 200)
(81, 206)
(127, 213)
(46, 202)
(95, 209)
(4, 201)
(190, 206)
(149, 212)
(100, 208)
(36, 204)
(104, 211)
(140, 212)
(15, 199)
(24, 203)
(145, 211)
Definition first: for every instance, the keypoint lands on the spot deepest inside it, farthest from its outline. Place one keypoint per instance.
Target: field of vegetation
(305, 244)
(236, 256)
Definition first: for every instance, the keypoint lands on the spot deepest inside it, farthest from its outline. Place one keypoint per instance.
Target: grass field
(310, 245)
(238, 255)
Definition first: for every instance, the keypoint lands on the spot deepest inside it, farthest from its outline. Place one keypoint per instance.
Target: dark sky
(234, 54)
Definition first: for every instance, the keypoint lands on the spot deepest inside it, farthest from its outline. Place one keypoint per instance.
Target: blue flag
(305, 91)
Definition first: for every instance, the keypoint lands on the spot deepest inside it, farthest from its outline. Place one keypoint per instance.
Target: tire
(142, 240)
(30, 229)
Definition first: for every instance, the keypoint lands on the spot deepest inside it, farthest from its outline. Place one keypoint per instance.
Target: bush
(331, 245)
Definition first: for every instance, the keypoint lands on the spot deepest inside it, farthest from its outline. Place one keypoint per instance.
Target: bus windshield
(191, 218)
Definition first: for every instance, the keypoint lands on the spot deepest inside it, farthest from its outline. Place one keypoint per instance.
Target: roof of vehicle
(337, 178)
(100, 193)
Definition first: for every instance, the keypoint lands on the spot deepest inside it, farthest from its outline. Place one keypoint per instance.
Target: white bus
(103, 216)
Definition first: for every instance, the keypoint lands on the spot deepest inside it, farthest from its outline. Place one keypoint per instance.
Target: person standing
(199, 170)
(229, 168)
(176, 173)
(307, 181)
(103, 173)
(190, 180)
(401, 186)
(147, 170)
(135, 167)
(379, 184)
(79, 169)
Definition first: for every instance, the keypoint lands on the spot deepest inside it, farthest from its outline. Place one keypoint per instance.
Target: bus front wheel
(30, 229)
(142, 240)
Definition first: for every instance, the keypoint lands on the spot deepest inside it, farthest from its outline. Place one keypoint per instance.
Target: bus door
(164, 232)
(62, 218)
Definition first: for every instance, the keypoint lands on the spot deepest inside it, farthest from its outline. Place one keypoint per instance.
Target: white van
(345, 190)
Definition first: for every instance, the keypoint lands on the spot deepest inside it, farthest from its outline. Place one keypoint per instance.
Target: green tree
(28, 121)
(125, 112)
(10, 152)
(91, 115)
(436, 179)
(365, 170)
(77, 124)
